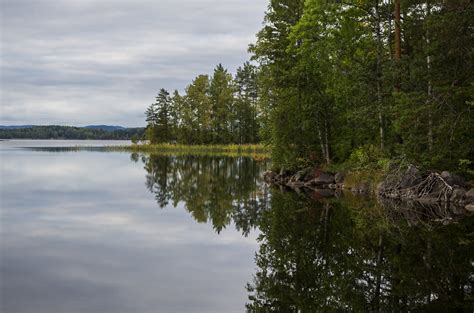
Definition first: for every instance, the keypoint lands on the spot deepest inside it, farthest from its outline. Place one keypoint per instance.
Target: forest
(328, 82)
(69, 132)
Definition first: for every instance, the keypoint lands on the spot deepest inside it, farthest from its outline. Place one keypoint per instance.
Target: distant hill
(70, 132)
(15, 126)
(105, 127)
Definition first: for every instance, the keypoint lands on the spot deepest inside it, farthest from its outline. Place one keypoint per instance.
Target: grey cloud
(92, 61)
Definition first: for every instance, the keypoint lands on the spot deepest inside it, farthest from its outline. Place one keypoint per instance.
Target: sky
(83, 62)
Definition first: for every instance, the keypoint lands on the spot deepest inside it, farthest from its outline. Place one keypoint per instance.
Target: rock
(469, 196)
(363, 187)
(452, 179)
(322, 193)
(411, 177)
(269, 176)
(457, 210)
(295, 184)
(457, 195)
(470, 207)
(380, 188)
(323, 179)
(311, 174)
(339, 177)
(300, 175)
(429, 199)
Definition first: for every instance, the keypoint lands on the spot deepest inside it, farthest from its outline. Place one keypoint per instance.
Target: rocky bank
(408, 184)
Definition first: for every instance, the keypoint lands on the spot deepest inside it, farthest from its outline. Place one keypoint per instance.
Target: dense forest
(68, 132)
(379, 78)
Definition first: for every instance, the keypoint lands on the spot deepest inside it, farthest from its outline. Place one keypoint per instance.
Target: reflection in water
(213, 189)
(344, 254)
(80, 233)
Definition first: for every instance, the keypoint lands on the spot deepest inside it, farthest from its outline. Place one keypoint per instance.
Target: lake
(96, 231)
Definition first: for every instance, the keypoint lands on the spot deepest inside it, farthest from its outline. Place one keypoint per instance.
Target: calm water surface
(92, 231)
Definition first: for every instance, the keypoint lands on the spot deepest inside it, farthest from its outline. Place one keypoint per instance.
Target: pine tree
(158, 118)
(221, 96)
(245, 108)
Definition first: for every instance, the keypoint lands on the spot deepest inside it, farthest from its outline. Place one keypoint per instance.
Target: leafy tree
(334, 76)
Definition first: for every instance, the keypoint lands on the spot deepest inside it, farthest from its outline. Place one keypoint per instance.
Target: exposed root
(409, 184)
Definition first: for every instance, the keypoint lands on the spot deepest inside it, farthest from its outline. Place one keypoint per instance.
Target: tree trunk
(398, 32)
(398, 45)
(378, 281)
(430, 86)
(320, 135)
(326, 141)
(379, 76)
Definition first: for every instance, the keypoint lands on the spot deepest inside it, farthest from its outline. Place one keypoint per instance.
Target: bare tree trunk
(398, 32)
(323, 150)
(398, 44)
(429, 249)
(430, 86)
(379, 74)
(326, 142)
(378, 281)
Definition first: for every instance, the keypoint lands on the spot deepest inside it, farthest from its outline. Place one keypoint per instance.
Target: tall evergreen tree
(198, 107)
(245, 106)
(158, 118)
(282, 90)
(221, 96)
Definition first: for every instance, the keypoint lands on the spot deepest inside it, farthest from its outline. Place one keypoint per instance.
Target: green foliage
(330, 89)
(329, 82)
(158, 117)
(213, 189)
(466, 167)
(332, 256)
(213, 110)
(135, 139)
(368, 156)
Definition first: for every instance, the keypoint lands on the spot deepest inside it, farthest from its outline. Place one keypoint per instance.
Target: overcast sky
(81, 62)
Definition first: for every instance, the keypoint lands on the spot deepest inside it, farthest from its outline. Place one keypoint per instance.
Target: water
(89, 231)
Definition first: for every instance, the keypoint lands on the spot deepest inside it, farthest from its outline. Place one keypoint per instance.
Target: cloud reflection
(67, 249)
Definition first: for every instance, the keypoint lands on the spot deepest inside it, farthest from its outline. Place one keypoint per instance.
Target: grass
(257, 151)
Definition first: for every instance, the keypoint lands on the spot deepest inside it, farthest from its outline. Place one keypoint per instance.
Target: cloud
(102, 61)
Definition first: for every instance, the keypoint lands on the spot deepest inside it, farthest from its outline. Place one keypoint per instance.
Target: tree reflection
(220, 190)
(345, 254)
(340, 256)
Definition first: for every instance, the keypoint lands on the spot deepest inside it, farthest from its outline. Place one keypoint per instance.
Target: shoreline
(407, 185)
(255, 151)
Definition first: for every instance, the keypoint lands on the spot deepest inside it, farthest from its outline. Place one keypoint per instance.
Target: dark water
(92, 231)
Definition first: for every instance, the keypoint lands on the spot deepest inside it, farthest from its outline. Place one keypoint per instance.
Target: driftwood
(418, 213)
(410, 184)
